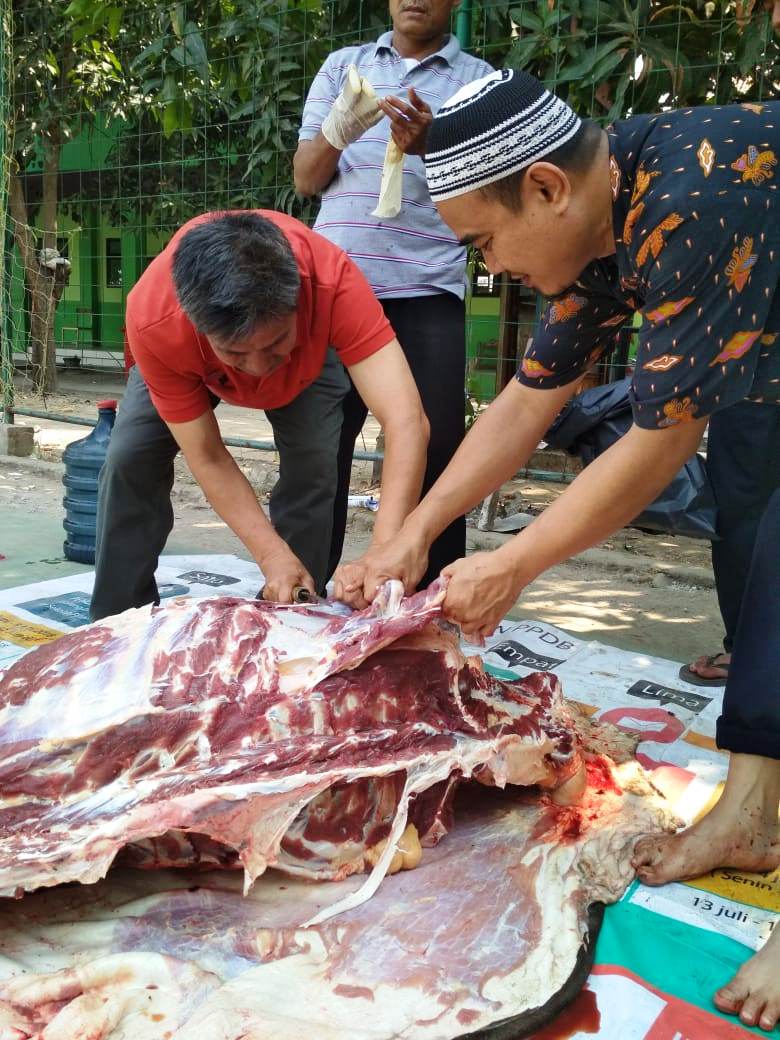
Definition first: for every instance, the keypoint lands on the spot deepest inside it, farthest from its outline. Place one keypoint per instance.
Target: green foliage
(223, 83)
(64, 68)
(611, 58)
(209, 92)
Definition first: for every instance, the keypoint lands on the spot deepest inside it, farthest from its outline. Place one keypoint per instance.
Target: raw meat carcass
(490, 928)
(226, 730)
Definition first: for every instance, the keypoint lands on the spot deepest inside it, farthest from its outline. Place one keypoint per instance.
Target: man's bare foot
(701, 848)
(740, 831)
(707, 670)
(713, 666)
(754, 992)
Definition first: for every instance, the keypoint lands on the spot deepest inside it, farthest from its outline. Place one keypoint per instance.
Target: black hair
(234, 273)
(574, 156)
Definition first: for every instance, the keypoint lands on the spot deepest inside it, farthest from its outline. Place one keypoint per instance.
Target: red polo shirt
(336, 307)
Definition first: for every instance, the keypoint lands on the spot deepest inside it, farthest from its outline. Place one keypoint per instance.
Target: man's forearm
(609, 493)
(315, 165)
(501, 441)
(232, 497)
(403, 470)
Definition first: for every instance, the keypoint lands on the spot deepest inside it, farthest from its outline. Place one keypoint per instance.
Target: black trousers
(750, 723)
(743, 461)
(432, 333)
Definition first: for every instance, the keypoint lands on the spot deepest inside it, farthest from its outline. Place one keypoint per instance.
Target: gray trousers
(135, 516)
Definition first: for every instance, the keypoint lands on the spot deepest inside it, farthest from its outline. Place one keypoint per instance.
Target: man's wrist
(419, 530)
(267, 549)
(385, 530)
(514, 557)
(323, 140)
(331, 135)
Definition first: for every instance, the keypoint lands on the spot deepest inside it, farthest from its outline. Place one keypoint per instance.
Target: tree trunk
(45, 285)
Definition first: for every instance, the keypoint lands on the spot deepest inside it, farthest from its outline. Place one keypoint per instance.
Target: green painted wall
(88, 150)
(90, 315)
(482, 321)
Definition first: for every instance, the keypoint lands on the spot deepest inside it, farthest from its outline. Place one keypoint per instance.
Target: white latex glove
(389, 202)
(353, 111)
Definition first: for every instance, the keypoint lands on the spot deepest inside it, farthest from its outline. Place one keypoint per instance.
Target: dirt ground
(643, 592)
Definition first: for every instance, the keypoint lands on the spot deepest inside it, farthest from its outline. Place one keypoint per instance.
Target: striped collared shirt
(415, 253)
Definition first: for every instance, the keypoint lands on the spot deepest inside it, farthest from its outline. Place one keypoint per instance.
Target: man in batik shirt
(675, 216)
(744, 439)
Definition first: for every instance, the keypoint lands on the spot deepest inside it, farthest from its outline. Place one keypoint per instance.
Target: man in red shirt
(254, 308)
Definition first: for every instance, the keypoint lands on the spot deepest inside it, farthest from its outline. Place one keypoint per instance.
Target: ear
(547, 185)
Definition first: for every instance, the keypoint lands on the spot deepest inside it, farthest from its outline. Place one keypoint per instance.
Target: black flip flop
(697, 680)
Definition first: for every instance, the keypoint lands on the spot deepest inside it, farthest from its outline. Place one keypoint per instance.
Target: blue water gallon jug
(83, 461)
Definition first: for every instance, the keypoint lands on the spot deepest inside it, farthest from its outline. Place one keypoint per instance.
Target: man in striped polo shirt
(413, 262)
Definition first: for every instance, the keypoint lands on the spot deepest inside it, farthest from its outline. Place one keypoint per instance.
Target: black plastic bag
(595, 419)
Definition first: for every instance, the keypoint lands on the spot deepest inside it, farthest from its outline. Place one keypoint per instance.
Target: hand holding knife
(300, 595)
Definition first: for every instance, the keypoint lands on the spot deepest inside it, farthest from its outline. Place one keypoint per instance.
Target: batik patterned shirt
(696, 216)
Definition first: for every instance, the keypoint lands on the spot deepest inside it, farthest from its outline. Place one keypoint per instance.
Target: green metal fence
(123, 120)
(6, 362)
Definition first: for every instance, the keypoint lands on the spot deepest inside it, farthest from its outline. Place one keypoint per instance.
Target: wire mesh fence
(123, 120)
(6, 365)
